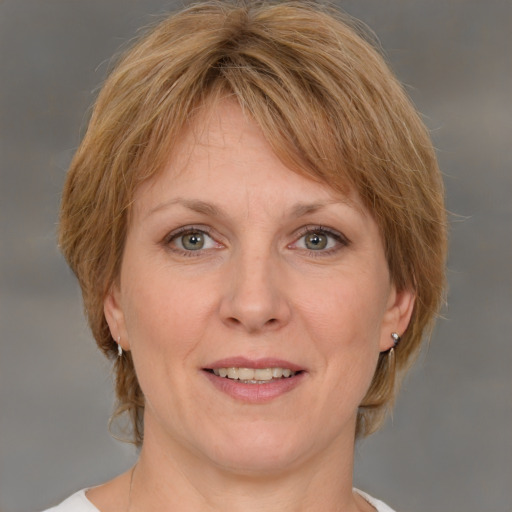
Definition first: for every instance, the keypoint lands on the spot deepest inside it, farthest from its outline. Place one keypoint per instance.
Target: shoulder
(380, 506)
(78, 502)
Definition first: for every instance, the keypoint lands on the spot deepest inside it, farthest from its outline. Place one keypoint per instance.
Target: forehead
(222, 143)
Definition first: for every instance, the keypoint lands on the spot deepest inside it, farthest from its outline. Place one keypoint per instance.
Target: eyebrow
(298, 210)
(192, 204)
(301, 209)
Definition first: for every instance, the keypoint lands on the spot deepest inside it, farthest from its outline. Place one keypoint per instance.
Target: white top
(78, 502)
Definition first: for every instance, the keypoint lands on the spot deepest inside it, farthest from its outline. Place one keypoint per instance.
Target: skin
(256, 289)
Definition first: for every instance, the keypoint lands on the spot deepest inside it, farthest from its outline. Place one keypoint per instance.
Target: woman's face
(236, 265)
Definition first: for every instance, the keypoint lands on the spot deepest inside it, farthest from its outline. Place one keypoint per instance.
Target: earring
(119, 348)
(396, 341)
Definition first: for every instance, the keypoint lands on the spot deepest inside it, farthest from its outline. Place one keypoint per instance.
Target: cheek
(348, 311)
(164, 313)
(345, 324)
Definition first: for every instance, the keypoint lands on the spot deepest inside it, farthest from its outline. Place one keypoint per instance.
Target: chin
(257, 449)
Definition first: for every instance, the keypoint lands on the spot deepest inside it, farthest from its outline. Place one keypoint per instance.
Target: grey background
(449, 445)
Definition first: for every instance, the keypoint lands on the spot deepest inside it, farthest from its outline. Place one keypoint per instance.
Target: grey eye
(193, 241)
(316, 241)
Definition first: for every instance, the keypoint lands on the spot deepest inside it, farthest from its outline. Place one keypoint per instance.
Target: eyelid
(184, 230)
(342, 240)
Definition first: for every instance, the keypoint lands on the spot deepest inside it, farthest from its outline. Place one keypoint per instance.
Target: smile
(255, 381)
(254, 375)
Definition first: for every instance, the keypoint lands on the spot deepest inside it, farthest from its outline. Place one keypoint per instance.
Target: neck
(178, 480)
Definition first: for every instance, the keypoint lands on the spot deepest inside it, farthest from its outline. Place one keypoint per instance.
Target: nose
(254, 297)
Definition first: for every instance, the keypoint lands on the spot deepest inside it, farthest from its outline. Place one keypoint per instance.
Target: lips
(243, 362)
(254, 380)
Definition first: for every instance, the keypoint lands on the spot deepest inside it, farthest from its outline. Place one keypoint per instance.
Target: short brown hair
(329, 106)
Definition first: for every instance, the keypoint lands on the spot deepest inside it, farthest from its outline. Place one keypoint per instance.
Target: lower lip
(255, 393)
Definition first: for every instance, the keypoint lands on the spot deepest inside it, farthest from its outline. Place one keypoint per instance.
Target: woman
(256, 219)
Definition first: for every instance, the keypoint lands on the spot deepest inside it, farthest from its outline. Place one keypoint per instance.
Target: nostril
(234, 322)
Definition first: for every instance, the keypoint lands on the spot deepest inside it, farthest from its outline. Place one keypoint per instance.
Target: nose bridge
(254, 298)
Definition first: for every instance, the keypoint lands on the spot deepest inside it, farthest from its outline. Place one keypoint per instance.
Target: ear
(397, 316)
(115, 316)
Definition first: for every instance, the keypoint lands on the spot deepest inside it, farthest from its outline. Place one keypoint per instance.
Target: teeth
(254, 376)
(245, 374)
(277, 373)
(233, 373)
(263, 374)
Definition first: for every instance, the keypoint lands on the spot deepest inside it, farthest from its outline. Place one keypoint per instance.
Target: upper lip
(244, 362)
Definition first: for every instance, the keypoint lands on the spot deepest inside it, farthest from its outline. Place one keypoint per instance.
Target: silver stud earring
(119, 348)
(396, 340)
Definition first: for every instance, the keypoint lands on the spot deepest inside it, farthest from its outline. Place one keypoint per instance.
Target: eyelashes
(319, 240)
(316, 241)
(191, 240)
